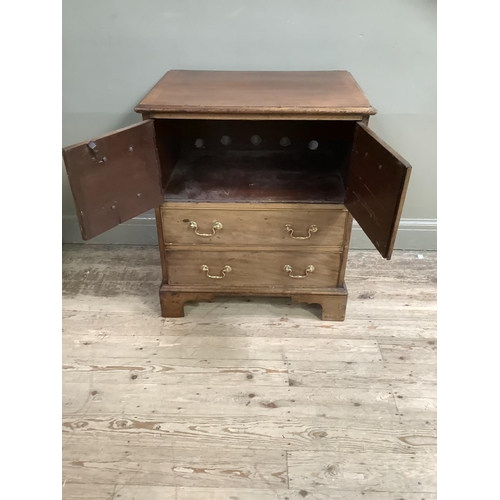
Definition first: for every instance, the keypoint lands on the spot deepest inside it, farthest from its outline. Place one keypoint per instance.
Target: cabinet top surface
(270, 93)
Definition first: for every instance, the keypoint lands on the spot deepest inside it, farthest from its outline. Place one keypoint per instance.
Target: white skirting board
(413, 234)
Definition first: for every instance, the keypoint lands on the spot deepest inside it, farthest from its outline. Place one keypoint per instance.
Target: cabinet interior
(261, 160)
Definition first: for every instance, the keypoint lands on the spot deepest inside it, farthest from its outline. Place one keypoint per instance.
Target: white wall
(114, 51)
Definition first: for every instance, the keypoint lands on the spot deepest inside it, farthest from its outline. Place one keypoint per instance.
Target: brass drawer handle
(227, 269)
(288, 269)
(216, 225)
(312, 229)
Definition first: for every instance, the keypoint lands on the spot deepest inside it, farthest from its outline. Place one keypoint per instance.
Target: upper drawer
(251, 224)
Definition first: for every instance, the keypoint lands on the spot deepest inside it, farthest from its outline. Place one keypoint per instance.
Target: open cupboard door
(114, 178)
(376, 188)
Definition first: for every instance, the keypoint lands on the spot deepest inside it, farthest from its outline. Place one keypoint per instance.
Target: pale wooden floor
(247, 399)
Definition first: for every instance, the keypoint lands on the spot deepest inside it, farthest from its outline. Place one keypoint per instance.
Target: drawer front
(253, 268)
(294, 227)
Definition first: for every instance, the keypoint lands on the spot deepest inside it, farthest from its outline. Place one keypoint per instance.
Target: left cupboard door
(114, 178)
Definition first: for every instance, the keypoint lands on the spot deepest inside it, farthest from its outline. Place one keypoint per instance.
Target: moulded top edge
(257, 92)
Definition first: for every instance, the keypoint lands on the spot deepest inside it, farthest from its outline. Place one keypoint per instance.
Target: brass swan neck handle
(288, 269)
(227, 269)
(216, 226)
(312, 229)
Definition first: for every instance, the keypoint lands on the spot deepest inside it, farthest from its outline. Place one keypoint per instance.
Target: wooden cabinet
(255, 178)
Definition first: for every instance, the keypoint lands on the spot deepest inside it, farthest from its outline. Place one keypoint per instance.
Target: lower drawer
(253, 268)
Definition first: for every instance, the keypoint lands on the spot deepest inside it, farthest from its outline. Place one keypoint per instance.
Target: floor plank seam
(287, 473)
(236, 360)
(396, 405)
(380, 350)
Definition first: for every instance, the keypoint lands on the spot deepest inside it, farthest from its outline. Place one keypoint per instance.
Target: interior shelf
(264, 176)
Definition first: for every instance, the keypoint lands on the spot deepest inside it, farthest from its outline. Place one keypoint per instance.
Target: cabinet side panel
(168, 143)
(161, 244)
(345, 252)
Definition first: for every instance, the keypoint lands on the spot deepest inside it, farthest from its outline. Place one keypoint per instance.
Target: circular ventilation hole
(285, 141)
(313, 145)
(199, 143)
(256, 140)
(226, 140)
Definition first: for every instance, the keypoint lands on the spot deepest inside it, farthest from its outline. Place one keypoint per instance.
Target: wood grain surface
(181, 92)
(253, 268)
(117, 180)
(376, 188)
(247, 226)
(247, 398)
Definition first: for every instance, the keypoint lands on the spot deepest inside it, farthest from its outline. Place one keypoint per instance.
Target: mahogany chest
(255, 178)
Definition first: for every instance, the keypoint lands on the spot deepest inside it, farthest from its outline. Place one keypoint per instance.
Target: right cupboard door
(376, 188)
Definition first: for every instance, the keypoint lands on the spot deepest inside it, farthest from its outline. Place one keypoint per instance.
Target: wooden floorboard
(366, 434)
(78, 491)
(247, 398)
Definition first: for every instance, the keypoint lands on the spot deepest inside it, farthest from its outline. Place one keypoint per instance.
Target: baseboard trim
(413, 234)
(138, 231)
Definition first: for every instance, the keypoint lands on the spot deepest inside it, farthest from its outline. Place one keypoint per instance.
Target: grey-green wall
(114, 51)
